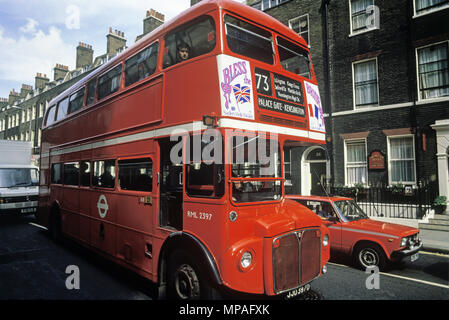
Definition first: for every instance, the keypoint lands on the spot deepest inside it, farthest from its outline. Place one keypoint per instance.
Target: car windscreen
(18, 177)
(349, 210)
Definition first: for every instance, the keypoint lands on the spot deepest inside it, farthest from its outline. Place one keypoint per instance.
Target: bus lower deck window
(136, 174)
(104, 174)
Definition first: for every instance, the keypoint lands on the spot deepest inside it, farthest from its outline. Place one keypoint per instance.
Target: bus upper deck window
(294, 58)
(76, 101)
(248, 40)
(63, 105)
(190, 41)
(50, 116)
(109, 82)
(141, 65)
(91, 87)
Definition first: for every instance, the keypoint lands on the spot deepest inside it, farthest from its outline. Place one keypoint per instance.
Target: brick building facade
(382, 68)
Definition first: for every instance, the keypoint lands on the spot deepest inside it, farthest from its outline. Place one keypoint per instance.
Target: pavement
(435, 241)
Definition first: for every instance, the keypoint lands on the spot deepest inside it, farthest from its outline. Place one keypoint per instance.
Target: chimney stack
(3, 102)
(13, 97)
(115, 41)
(152, 20)
(40, 80)
(26, 88)
(84, 55)
(60, 72)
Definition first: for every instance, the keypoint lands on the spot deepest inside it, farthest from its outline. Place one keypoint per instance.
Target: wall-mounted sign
(376, 160)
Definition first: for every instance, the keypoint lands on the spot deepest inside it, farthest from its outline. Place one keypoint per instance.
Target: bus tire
(55, 225)
(187, 280)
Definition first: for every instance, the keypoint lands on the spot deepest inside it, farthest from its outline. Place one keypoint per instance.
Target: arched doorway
(315, 168)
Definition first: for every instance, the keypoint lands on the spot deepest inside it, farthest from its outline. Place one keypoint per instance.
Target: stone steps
(439, 222)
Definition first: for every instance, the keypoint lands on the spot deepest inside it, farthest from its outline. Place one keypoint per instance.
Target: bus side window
(191, 41)
(50, 116)
(109, 82)
(104, 174)
(91, 88)
(71, 173)
(76, 101)
(136, 174)
(141, 65)
(85, 173)
(56, 173)
(63, 105)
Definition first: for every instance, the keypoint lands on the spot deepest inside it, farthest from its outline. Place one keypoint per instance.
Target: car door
(334, 224)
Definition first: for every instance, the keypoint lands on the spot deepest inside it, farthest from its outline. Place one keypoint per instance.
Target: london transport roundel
(102, 206)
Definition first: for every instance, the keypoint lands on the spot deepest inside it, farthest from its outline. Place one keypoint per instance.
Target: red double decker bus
(168, 159)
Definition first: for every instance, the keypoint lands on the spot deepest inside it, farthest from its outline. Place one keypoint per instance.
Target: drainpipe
(326, 56)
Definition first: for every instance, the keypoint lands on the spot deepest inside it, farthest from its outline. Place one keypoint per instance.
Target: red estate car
(370, 242)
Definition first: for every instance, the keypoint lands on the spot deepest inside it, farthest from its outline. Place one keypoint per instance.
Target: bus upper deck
(238, 71)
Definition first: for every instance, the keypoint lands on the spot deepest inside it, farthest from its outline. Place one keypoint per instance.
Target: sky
(35, 35)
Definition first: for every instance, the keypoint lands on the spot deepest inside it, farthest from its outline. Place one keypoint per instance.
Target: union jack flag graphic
(242, 93)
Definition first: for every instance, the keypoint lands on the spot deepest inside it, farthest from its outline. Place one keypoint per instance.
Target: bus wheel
(55, 225)
(186, 281)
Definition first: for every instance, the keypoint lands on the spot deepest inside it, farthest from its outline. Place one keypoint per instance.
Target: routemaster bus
(168, 159)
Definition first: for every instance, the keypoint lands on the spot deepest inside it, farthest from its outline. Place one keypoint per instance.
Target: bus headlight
(246, 260)
(325, 240)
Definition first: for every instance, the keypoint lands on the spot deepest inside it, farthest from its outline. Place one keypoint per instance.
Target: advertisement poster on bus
(236, 91)
(315, 109)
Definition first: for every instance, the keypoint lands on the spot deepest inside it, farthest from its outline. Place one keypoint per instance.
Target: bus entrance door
(171, 188)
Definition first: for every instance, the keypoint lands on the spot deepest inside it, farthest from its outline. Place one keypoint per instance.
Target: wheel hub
(186, 283)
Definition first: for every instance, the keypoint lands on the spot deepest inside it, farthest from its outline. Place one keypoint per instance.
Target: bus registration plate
(297, 292)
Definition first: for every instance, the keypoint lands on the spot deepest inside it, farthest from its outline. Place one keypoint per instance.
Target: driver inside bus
(241, 190)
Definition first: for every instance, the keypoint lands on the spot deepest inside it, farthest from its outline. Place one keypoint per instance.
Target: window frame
(271, 39)
(437, 8)
(390, 181)
(355, 165)
(105, 73)
(358, 107)
(353, 32)
(64, 174)
(135, 158)
(69, 109)
(61, 173)
(156, 42)
(301, 32)
(418, 81)
(96, 186)
(57, 118)
(163, 44)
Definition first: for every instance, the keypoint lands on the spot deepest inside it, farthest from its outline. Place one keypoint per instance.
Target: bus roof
(198, 9)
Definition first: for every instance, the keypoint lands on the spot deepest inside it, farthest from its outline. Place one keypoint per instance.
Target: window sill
(432, 100)
(353, 34)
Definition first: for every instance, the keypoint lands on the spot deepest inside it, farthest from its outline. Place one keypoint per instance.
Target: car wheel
(368, 255)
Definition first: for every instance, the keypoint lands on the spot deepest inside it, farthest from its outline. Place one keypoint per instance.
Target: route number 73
(263, 81)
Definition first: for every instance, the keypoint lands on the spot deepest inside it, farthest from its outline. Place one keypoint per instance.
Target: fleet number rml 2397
(200, 215)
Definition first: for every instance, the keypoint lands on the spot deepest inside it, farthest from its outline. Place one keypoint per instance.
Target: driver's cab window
(190, 41)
